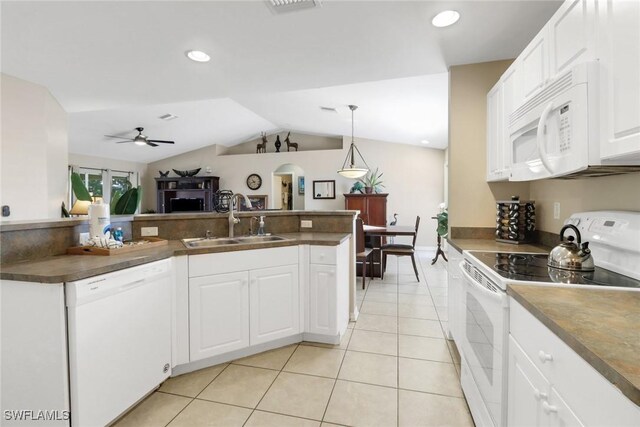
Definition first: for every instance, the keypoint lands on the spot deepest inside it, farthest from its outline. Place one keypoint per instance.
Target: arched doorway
(285, 192)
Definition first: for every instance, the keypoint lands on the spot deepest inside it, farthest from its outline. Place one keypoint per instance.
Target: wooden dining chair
(400, 250)
(363, 254)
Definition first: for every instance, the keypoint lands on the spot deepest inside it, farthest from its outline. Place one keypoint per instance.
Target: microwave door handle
(542, 138)
(493, 295)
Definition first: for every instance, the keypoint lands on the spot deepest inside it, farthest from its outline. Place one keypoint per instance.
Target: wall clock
(254, 181)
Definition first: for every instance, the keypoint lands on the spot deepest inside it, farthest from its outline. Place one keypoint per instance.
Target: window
(94, 179)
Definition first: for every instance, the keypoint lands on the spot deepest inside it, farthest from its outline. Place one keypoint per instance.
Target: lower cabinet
(328, 292)
(218, 314)
(532, 399)
(274, 303)
(232, 307)
(551, 385)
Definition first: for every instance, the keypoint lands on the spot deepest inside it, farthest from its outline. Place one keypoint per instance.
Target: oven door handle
(473, 283)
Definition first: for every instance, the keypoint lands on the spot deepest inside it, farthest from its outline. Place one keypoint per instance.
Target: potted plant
(372, 182)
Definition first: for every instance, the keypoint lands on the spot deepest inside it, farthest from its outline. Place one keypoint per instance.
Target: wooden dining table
(377, 233)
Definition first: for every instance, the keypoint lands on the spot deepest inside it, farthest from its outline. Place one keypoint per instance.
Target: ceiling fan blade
(161, 141)
(119, 137)
(122, 142)
(151, 144)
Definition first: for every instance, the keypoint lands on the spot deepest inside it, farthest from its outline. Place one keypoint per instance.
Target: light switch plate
(556, 210)
(148, 231)
(306, 224)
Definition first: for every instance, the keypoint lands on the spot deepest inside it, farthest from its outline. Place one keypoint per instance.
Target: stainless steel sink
(260, 239)
(199, 242)
(208, 243)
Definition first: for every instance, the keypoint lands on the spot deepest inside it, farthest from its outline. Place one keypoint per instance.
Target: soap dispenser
(261, 226)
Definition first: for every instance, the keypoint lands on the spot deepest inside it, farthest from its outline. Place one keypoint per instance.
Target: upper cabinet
(620, 80)
(497, 167)
(534, 64)
(605, 32)
(572, 35)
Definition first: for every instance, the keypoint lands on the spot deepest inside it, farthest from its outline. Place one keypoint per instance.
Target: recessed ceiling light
(198, 56)
(424, 141)
(445, 18)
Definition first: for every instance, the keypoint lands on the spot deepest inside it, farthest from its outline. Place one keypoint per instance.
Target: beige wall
(620, 192)
(34, 149)
(413, 176)
(471, 198)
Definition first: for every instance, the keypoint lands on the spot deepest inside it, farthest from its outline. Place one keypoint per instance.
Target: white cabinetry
(572, 35)
(534, 64)
(497, 164)
(232, 307)
(550, 384)
(620, 80)
(274, 303)
(218, 314)
(328, 293)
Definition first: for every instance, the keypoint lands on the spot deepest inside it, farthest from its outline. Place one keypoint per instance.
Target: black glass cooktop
(533, 268)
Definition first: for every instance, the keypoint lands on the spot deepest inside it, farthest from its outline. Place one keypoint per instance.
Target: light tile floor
(392, 368)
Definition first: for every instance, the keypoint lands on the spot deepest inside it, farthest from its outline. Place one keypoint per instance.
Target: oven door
(483, 338)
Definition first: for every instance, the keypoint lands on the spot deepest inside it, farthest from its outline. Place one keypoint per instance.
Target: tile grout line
(271, 385)
(194, 398)
(326, 408)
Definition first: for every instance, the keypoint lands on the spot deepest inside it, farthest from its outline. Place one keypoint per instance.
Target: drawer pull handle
(545, 357)
(540, 395)
(549, 408)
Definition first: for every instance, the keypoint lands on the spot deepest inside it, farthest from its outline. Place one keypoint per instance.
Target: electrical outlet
(556, 210)
(148, 231)
(306, 224)
(83, 238)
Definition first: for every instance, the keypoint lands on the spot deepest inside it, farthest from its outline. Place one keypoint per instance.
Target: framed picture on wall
(259, 202)
(324, 189)
(301, 185)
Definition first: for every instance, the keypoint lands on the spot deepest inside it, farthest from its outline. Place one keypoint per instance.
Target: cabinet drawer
(589, 394)
(322, 255)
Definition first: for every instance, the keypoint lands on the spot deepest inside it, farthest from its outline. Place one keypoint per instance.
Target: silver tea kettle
(569, 255)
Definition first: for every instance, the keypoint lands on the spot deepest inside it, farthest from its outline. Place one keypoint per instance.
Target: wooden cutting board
(132, 246)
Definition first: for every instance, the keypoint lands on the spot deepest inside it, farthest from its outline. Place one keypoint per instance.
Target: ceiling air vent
(168, 117)
(283, 6)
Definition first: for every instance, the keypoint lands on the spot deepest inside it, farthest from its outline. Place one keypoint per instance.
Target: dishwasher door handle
(133, 284)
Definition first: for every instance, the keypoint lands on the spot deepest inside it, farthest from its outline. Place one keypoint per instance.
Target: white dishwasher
(119, 340)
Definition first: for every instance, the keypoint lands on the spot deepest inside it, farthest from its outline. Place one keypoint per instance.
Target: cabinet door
(511, 91)
(358, 203)
(496, 167)
(559, 413)
(527, 390)
(274, 303)
(322, 299)
(218, 314)
(620, 80)
(535, 64)
(572, 35)
(377, 210)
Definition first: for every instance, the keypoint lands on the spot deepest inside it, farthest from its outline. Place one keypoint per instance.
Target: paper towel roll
(99, 220)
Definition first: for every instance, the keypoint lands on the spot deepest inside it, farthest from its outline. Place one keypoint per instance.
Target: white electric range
(614, 238)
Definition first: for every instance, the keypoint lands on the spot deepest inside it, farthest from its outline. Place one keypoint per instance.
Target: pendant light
(352, 171)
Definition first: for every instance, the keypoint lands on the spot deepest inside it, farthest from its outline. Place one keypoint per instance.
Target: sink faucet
(233, 220)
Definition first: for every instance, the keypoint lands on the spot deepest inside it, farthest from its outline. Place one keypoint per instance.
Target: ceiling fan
(141, 139)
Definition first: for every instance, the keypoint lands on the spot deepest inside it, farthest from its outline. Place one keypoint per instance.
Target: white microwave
(555, 133)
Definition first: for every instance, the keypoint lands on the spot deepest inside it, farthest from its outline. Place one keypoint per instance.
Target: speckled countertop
(601, 325)
(66, 268)
(492, 245)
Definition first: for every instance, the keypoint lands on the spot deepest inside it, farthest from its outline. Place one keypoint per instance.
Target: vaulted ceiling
(117, 65)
